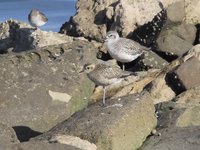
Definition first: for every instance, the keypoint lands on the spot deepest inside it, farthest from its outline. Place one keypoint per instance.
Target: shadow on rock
(197, 40)
(25, 133)
(24, 40)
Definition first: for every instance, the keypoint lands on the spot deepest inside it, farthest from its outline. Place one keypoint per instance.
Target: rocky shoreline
(45, 103)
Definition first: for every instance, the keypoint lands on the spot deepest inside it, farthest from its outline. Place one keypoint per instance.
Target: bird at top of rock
(37, 18)
(123, 49)
(104, 75)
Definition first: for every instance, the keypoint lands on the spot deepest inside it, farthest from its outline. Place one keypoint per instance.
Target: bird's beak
(105, 39)
(81, 71)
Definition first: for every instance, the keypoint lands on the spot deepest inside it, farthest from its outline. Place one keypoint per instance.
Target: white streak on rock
(74, 141)
(63, 97)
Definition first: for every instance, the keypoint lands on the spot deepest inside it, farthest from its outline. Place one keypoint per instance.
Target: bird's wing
(113, 72)
(133, 47)
(43, 16)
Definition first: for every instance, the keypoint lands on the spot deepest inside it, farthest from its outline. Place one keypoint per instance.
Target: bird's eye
(87, 67)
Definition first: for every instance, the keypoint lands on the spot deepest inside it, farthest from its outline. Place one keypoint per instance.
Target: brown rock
(160, 91)
(172, 14)
(192, 11)
(189, 97)
(188, 73)
(94, 18)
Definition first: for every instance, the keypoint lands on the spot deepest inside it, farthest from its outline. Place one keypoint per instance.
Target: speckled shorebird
(104, 75)
(123, 49)
(37, 18)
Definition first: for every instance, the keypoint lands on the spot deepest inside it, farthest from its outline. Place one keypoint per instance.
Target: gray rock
(172, 14)
(175, 139)
(189, 97)
(7, 136)
(176, 39)
(178, 124)
(152, 60)
(187, 74)
(40, 146)
(190, 101)
(122, 124)
(41, 88)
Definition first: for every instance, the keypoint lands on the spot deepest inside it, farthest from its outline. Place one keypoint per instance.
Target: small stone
(154, 132)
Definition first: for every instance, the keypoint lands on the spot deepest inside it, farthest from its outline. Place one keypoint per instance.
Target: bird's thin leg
(104, 95)
(123, 67)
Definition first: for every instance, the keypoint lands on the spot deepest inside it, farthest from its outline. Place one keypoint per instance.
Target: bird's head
(112, 36)
(88, 68)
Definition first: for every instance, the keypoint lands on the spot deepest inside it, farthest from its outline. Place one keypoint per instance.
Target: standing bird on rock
(104, 75)
(37, 18)
(123, 49)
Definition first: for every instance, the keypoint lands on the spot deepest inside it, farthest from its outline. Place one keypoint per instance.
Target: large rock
(176, 39)
(20, 36)
(122, 124)
(186, 75)
(178, 124)
(94, 18)
(41, 88)
(144, 11)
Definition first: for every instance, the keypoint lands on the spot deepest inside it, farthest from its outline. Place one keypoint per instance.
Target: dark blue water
(57, 11)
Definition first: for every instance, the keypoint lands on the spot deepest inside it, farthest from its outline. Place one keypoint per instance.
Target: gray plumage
(123, 49)
(37, 18)
(105, 75)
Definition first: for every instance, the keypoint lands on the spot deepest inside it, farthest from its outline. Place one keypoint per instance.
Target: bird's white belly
(123, 57)
(36, 21)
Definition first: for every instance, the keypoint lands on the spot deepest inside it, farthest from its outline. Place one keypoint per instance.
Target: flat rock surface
(42, 87)
(122, 124)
